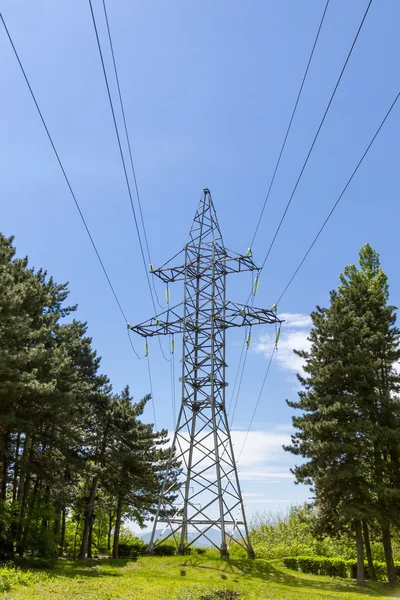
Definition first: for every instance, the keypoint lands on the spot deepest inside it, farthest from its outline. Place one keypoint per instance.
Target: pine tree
(349, 429)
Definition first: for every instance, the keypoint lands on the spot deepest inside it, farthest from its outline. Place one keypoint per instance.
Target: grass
(180, 578)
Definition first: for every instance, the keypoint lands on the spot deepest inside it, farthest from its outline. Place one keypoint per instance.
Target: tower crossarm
(224, 262)
(168, 322)
(238, 315)
(232, 314)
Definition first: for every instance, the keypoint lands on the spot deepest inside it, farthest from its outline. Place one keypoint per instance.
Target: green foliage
(11, 577)
(75, 458)
(165, 549)
(188, 578)
(293, 533)
(349, 428)
(334, 567)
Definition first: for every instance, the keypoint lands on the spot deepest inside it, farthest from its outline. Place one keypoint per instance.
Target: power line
(172, 377)
(65, 174)
(312, 245)
(151, 391)
(129, 144)
(121, 152)
(257, 403)
(316, 135)
(301, 174)
(237, 373)
(123, 161)
(339, 198)
(239, 387)
(276, 169)
(290, 125)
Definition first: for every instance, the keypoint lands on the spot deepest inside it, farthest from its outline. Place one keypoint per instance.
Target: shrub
(335, 567)
(317, 565)
(165, 549)
(236, 551)
(13, 576)
(131, 550)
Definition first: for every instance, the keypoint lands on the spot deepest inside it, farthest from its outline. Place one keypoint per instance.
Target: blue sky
(208, 89)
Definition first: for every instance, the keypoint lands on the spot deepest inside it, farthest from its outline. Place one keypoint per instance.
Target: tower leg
(184, 531)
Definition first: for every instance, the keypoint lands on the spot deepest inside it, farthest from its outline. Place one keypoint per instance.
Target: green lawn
(185, 578)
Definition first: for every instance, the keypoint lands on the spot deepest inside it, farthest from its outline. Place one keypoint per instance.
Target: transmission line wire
(129, 145)
(339, 198)
(276, 170)
(123, 163)
(65, 176)
(151, 391)
(289, 125)
(173, 391)
(239, 386)
(316, 135)
(313, 243)
(237, 374)
(257, 403)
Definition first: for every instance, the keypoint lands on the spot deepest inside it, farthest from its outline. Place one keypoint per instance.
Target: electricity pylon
(211, 495)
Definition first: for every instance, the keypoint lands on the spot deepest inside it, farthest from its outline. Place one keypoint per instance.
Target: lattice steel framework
(211, 495)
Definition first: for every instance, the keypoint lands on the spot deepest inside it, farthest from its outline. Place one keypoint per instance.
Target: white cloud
(257, 475)
(294, 336)
(268, 501)
(260, 446)
(296, 320)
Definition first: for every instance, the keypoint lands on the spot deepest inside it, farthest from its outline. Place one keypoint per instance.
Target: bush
(237, 551)
(335, 567)
(165, 549)
(291, 563)
(317, 565)
(380, 570)
(131, 550)
(11, 576)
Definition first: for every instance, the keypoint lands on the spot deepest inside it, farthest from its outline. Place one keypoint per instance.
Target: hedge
(131, 550)
(334, 567)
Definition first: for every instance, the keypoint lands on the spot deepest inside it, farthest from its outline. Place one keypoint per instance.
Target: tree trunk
(76, 537)
(62, 538)
(4, 463)
(16, 468)
(26, 521)
(88, 518)
(90, 538)
(117, 528)
(387, 547)
(360, 554)
(110, 524)
(371, 568)
(93, 488)
(57, 526)
(99, 535)
(24, 466)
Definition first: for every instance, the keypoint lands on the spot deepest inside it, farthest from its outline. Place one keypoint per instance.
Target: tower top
(205, 228)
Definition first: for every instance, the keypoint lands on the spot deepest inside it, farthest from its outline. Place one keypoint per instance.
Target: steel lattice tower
(211, 495)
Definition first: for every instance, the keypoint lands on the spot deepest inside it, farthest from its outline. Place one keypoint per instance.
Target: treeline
(74, 455)
(348, 431)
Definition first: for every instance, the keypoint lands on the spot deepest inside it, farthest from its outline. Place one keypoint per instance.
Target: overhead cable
(65, 175)
(339, 198)
(129, 145)
(314, 241)
(123, 162)
(289, 125)
(317, 134)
